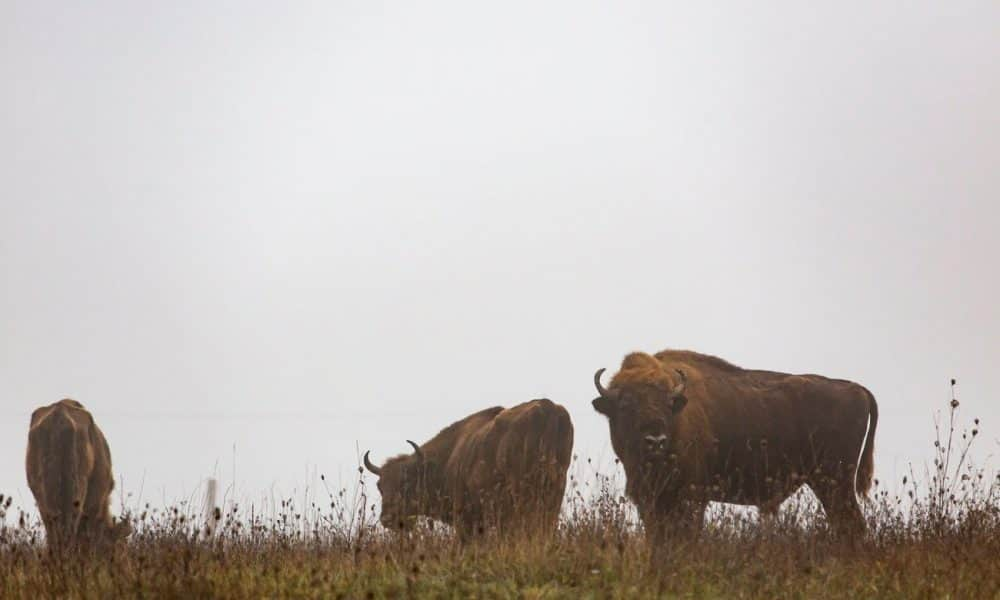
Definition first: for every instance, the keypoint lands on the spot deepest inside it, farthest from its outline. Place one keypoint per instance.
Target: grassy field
(938, 537)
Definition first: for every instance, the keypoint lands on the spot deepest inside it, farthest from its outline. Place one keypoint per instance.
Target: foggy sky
(252, 238)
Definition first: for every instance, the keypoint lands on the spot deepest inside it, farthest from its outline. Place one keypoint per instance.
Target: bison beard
(501, 470)
(691, 428)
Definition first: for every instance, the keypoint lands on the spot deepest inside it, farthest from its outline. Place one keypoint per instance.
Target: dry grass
(938, 537)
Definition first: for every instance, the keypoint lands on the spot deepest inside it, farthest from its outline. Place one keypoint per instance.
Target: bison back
(534, 450)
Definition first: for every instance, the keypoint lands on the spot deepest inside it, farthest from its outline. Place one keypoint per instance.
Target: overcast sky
(261, 234)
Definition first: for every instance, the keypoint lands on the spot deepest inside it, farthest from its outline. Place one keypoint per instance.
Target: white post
(209, 509)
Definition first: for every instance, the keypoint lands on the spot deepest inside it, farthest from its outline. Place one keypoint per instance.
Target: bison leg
(95, 522)
(681, 523)
(694, 516)
(470, 527)
(768, 511)
(841, 506)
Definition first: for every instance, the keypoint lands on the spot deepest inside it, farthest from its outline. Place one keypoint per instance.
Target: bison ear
(603, 405)
(680, 401)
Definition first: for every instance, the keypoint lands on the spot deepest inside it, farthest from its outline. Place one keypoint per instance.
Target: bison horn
(416, 449)
(368, 465)
(679, 388)
(600, 388)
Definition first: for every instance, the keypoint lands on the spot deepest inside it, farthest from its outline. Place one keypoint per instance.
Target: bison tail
(866, 467)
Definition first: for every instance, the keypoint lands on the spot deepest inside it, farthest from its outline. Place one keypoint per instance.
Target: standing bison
(69, 472)
(691, 428)
(498, 468)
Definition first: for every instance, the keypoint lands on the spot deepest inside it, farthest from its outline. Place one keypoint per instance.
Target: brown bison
(691, 428)
(498, 468)
(69, 472)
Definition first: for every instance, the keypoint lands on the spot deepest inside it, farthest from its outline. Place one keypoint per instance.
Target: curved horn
(679, 388)
(600, 388)
(368, 465)
(416, 449)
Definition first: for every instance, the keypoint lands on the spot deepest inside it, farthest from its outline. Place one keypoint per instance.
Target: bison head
(641, 411)
(402, 483)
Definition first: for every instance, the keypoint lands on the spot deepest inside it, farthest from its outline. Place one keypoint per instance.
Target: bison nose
(656, 444)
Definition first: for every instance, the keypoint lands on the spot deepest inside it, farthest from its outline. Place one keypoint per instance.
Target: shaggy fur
(739, 436)
(69, 472)
(498, 468)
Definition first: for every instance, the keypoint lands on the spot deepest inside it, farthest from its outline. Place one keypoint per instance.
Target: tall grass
(939, 536)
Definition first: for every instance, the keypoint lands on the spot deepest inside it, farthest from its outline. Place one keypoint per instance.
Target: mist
(256, 240)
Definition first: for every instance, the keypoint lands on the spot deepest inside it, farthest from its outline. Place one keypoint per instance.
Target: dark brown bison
(69, 472)
(691, 428)
(502, 469)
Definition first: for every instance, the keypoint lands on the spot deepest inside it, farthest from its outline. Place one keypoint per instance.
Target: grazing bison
(691, 428)
(69, 472)
(498, 468)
